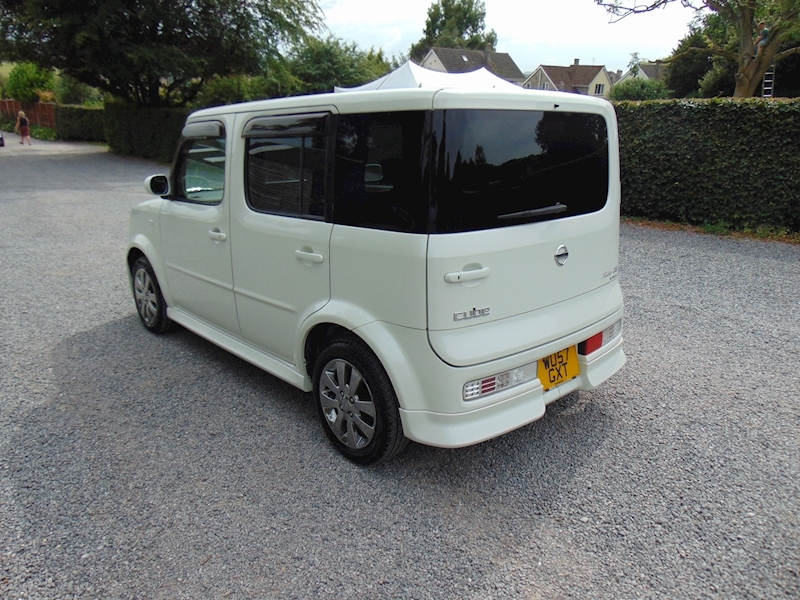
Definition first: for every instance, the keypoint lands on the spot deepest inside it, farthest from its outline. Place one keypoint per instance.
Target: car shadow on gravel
(167, 446)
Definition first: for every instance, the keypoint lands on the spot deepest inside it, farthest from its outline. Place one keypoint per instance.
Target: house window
(545, 86)
(599, 89)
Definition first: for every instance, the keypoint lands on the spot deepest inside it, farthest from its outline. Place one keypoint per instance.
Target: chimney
(577, 62)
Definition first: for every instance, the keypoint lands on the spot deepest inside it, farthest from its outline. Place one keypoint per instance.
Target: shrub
(80, 123)
(639, 88)
(72, 91)
(26, 81)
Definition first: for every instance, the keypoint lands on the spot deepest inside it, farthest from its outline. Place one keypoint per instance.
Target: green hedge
(79, 123)
(725, 162)
(147, 132)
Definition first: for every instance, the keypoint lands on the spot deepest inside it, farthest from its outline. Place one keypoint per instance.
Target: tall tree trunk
(752, 64)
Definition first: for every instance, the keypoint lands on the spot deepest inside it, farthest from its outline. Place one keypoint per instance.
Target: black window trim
(293, 125)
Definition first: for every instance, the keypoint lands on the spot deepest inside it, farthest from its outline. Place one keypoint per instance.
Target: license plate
(559, 367)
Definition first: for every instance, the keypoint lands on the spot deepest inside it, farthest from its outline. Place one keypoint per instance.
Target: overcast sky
(533, 32)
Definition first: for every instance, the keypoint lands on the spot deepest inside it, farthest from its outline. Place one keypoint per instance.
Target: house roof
(460, 60)
(573, 76)
(654, 70)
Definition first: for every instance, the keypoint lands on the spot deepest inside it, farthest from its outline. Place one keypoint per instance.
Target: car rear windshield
(496, 168)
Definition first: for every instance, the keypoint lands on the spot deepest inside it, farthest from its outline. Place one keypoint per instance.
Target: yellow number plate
(559, 367)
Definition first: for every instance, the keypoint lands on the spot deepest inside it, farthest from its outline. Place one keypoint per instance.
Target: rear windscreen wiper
(536, 212)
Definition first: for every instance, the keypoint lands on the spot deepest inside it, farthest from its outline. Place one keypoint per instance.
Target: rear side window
(496, 168)
(286, 165)
(379, 173)
(200, 171)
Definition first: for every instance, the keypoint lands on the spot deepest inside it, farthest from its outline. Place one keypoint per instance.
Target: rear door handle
(459, 276)
(309, 256)
(217, 235)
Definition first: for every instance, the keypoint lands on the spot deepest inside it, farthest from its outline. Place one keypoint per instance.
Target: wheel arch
(141, 247)
(381, 339)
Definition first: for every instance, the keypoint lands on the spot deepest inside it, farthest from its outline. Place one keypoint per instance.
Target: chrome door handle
(459, 276)
(308, 256)
(217, 235)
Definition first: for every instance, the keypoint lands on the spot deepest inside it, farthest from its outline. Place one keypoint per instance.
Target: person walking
(23, 128)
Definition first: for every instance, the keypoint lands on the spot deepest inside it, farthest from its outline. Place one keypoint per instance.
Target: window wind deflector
(536, 212)
(203, 129)
(307, 125)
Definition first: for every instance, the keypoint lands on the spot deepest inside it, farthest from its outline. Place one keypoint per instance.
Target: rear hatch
(525, 223)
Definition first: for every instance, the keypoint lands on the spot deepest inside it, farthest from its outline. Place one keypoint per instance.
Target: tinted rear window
(378, 182)
(495, 168)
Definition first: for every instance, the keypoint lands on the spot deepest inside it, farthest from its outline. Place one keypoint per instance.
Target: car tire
(148, 298)
(356, 403)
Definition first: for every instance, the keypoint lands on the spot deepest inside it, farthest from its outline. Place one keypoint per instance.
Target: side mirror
(157, 185)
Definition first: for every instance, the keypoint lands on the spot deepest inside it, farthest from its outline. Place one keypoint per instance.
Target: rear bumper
(527, 405)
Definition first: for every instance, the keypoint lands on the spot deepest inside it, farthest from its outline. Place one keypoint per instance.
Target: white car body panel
(255, 296)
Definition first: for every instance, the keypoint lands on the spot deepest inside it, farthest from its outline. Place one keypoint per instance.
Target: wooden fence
(42, 114)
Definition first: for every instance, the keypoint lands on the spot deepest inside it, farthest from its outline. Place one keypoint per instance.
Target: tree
(719, 81)
(152, 52)
(787, 76)
(312, 67)
(71, 91)
(782, 16)
(26, 81)
(639, 88)
(686, 69)
(319, 65)
(633, 65)
(455, 24)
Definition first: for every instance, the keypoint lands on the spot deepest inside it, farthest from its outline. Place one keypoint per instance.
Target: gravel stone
(142, 466)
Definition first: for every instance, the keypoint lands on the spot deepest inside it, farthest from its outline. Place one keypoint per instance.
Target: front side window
(200, 172)
(496, 168)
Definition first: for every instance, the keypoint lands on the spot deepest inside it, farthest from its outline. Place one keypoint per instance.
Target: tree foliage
(27, 81)
(72, 91)
(318, 65)
(686, 69)
(455, 24)
(639, 88)
(741, 16)
(152, 52)
(312, 67)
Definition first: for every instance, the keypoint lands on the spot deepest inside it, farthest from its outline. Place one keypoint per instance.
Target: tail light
(599, 340)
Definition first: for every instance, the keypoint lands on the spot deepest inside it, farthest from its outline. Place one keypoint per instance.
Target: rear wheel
(148, 298)
(356, 403)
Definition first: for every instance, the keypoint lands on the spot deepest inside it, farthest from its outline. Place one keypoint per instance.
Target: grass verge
(723, 230)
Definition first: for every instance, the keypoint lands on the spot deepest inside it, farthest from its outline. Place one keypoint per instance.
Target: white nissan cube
(434, 264)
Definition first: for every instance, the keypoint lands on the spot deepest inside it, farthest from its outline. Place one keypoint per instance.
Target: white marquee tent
(409, 75)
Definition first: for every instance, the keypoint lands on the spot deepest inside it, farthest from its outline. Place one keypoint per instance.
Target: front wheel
(148, 298)
(356, 403)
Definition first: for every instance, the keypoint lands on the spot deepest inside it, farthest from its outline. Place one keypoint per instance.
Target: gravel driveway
(136, 466)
